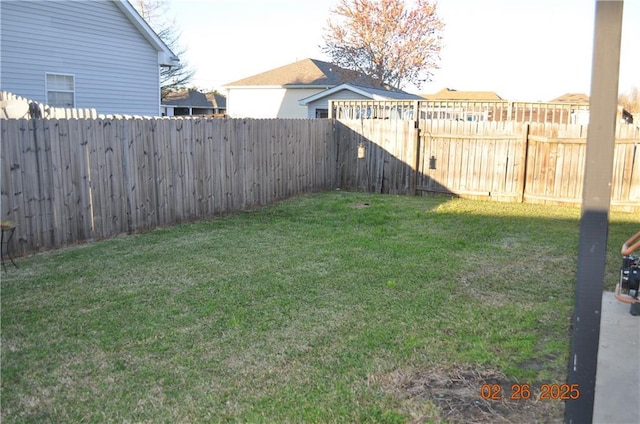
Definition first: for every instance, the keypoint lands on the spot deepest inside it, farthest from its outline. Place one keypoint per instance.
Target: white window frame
(46, 87)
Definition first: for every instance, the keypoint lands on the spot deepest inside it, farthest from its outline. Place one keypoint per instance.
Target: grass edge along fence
(71, 180)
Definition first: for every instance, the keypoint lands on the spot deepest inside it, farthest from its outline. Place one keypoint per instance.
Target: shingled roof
(308, 73)
(191, 98)
(451, 94)
(194, 98)
(575, 98)
(217, 100)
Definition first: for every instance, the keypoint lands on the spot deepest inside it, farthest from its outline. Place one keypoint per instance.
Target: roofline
(165, 56)
(358, 89)
(334, 89)
(321, 86)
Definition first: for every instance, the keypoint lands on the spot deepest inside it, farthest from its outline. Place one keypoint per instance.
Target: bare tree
(631, 100)
(386, 39)
(156, 13)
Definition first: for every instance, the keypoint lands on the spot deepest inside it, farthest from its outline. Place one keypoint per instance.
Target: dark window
(322, 113)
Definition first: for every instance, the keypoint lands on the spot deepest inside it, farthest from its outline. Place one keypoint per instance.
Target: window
(322, 113)
(60, 90)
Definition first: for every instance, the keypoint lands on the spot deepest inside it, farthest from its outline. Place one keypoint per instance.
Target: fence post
(416, 171)
(525, 168)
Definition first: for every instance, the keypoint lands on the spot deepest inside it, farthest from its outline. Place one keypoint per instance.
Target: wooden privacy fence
(70, 180)
(504, 161)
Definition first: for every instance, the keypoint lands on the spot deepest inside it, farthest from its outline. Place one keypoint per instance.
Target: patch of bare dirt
(360, 205)
(456, 393)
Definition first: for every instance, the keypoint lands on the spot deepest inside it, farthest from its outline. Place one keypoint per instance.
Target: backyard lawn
(332, 307)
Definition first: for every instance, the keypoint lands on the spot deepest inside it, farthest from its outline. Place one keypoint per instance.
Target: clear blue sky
(523, 50)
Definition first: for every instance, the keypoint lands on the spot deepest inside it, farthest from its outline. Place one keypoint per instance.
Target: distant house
(578, 115)
(293, 91)
(193, 102)
(581, 116)
(575, 98)
(96, 54)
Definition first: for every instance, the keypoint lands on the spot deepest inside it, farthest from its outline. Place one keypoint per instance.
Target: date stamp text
(519, 391)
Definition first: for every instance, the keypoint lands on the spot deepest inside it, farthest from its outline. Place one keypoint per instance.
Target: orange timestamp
(524, 391)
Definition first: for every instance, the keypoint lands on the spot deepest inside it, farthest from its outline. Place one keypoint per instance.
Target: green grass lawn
(333, 307)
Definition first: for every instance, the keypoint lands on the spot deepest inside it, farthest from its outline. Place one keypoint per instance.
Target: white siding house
(268, 102)
(96, 54)
(277, 93)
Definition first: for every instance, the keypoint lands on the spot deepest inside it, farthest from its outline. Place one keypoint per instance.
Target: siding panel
(115, 68)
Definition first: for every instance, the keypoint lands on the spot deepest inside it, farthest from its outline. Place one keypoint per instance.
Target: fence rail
(70, 180)
(466, 110)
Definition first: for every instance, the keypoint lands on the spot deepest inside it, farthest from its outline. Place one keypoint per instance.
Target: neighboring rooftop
(217, 100)
(194, 98)
(575, 98)
(186, 98)
(308, 73)
(452, 94)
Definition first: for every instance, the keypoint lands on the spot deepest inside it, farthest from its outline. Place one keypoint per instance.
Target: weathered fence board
(377, 156)
(479, 160)
(505, 161)
(71, 180)
(556, 155)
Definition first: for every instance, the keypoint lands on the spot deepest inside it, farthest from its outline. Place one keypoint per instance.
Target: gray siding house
(96, 54)
(318, 104)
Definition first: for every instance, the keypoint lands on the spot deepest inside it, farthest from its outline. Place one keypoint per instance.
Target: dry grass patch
(453, 395)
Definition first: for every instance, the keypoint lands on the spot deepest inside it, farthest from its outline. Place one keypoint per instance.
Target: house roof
(369, 92)
(307, 73)
(194, 98)
(165, 55)
(451, 94)
(575, 98)
(217, 100)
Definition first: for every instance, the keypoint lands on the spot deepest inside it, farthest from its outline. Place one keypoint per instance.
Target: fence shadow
(502, 161)
(391, 157)
(379, 157)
